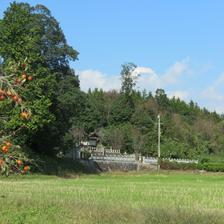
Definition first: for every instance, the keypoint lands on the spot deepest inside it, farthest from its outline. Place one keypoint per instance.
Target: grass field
(114, 198)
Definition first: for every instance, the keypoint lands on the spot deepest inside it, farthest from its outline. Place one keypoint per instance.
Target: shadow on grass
(64, 167)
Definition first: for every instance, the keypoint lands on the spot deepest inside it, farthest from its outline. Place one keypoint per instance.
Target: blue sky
(178, 45)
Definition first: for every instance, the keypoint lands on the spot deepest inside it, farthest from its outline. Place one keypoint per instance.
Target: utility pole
(159, 133)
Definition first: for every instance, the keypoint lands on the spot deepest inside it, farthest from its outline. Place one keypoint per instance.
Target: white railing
(132, 158)
(154, 160)
(110, 157)
(181, 160)
(149, 160)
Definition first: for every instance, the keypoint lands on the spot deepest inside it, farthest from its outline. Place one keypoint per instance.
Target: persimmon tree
(33, 33)
(12, 159)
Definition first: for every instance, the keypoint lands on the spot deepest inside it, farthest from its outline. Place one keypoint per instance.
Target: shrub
(213, 167)
(204, 160)
(167, 165)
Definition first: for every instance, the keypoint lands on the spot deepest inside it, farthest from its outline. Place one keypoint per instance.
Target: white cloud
(172, 75)
(183, 95)
(213, 95)
(95, 79)
(148, 79)
(213, 91)
(151, 80)
(142, 70)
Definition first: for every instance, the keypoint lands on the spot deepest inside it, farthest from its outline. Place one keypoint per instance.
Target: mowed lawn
(114, 198)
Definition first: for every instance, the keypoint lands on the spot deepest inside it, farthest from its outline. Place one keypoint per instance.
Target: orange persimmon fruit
(5, 149)
(19, 162)
(30, 78)
(24, 76)
(26, 168)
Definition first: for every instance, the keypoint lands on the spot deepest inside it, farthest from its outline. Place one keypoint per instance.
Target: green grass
(182, 198)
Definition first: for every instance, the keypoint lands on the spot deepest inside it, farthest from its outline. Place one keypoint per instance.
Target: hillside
(129, 123)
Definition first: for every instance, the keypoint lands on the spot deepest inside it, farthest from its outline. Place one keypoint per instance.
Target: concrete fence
(181, 160)
(116, 156)
(149, 160)
(109, 156)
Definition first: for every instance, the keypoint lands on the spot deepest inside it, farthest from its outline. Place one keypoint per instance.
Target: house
(91, 143)
(85, 147)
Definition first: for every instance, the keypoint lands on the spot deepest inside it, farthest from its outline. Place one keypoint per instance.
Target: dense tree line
(62, 114)
(129, 122)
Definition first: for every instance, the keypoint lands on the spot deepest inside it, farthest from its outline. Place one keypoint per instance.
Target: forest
(62, 115)
(128, 121)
